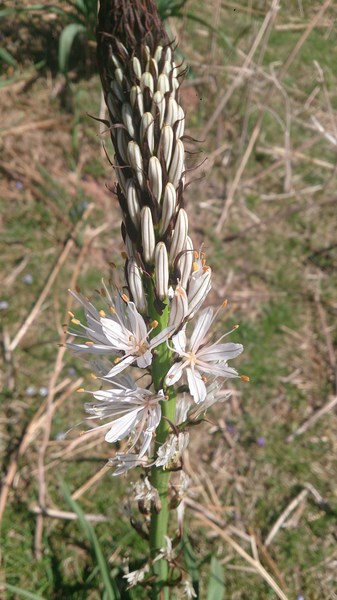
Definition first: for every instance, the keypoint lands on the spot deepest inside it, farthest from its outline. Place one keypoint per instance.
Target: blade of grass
(110, 588)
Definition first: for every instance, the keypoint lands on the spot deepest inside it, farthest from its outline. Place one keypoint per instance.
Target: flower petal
(221, 352)
(196, 385)
(144, 360)
(179, 342)
(174, 373)
(122, 426)
(123, 363)
(201, 327)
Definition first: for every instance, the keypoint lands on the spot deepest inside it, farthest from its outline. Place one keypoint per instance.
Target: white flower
(135, 577)
(200, 358)
(189, 591)
(124, 462)
(131, 412)
(170, 452)
(123, 331)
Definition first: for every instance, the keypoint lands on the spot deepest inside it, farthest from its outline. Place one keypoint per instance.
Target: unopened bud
(136, 285)
(129, 247)
(163, 84)
(122, 143)
(177, 164)
(168, 54)
(127, 119)
(112, 106)
(148, 235)
(162, 270)
(179, 237)
(169, 207)
(155, 177)
(120, 177)
(137, 69)
(158, 103)
(179, 307)
(198, 288)
(119, 76)
(172, 113)
(181, 122)
(166, 144)
(132, 202)
(146, 81)
(136, 161)
(117, 90)
(152, 67)
(136, 98)
(147, 129)
(185, 263)
(158, 53)
(167, 68)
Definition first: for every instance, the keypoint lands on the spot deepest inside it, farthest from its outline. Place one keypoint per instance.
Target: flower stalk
(145, 324)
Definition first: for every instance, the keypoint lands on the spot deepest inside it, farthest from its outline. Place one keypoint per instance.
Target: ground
(260, 95)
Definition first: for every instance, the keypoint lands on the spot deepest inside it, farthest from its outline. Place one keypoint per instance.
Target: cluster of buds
(141, 85)
(164, 273)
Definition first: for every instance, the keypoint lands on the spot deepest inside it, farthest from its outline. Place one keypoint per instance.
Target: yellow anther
(93, 376)
(245, 378)
(204, 378)
(224, 304)
(76, 321)
(236, 326)
(117, 360)
(112, 310)
(102, 313)
(71, 314)
(195, 266)
(125, 298)
(154, 324)
(80, 390)
(89, 343)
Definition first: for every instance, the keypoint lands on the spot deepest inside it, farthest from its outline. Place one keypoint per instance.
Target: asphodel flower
(197, 357)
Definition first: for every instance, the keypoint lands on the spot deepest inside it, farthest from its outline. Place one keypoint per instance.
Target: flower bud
(168, 54)
(172, 113)
(117, 90)
(179, 307)
(166, 144)
(137, 69)
(152, 67)
(122, 143)
(115, 61)
(136, 161)
(119, 76)
(158, 103)
(158, 53)
(162, 270)
(136, 285)
(136, 98)
(198, 288)
(178, 242)
(132, 202)
(129, 247)
(163, 84)
(148, 235)
(147, 129)
(177, 164)
(169, 207)
(155, 177)
(127, 118)
(112, 106)
(185, 263)
(146, 81)
(181, 122)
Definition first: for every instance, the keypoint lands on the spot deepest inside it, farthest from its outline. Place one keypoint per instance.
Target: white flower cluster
(163, 271)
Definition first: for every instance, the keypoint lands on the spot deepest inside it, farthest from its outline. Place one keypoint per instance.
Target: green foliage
(216, 583)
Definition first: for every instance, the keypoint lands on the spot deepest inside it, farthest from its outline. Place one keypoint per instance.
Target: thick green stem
(159, 478)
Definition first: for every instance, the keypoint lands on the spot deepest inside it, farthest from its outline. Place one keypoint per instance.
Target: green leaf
(216, 584)
(110, 589)
(22, 593)
(65, 43)
(191, 564)
(7, 57)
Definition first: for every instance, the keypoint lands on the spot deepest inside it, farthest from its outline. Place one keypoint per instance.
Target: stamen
(117, 360)
(154, 324)
(102, 313)
(71, 314)
(93, 376)
(80, 390)
(244, 378)
(76, 321)
(125, 298)
(89, 343)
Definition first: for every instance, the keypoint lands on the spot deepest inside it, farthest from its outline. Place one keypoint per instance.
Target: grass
(275, 260)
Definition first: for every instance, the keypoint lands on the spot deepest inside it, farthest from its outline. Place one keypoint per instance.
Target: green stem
(161, 363)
